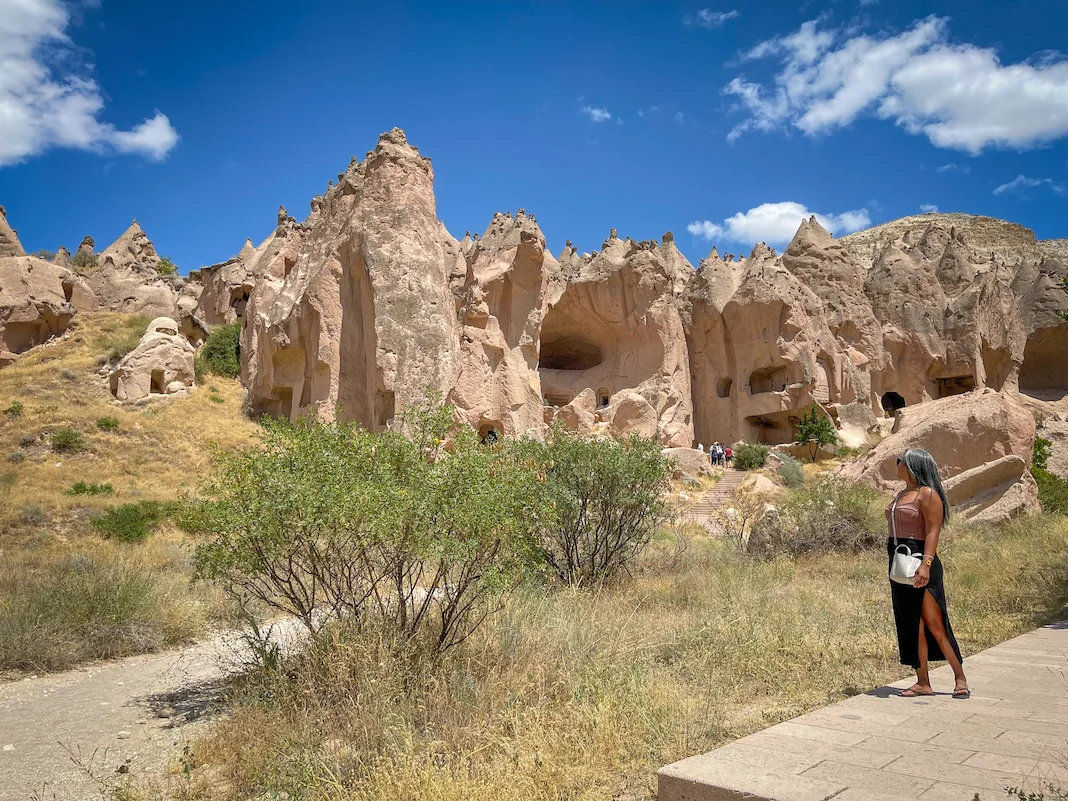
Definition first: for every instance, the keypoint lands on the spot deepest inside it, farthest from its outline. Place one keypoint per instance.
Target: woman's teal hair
(924, 470)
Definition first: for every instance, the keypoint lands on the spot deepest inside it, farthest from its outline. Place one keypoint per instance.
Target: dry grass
(159, 451)
(48, 553)
(582, 695)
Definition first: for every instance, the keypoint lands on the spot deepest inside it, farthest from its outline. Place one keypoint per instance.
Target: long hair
(924, 470)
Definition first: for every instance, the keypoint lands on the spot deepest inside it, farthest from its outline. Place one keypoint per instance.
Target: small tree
(166, 267)
(46, 255)
(815, 430)
(84, 259)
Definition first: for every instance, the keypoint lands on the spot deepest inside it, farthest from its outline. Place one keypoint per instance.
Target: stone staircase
(701, 512)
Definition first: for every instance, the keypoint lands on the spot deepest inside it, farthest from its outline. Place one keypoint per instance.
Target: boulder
(34, 305)
(161, 364)
(762, 485)
(961, 432)
(690, 461)
(579, 414)
(993, 492)
(630, 413)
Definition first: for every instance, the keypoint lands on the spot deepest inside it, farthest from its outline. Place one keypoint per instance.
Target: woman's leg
(923, 678)
(932, 619)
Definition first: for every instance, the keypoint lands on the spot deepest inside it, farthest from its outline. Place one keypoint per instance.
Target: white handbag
(905, 563)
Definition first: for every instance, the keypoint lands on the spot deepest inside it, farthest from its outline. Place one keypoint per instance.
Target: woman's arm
(931, 508)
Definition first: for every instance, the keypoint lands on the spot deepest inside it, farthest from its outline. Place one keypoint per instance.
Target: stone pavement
(1012, 732)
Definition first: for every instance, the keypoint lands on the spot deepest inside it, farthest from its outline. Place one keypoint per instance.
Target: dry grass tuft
(584, 694)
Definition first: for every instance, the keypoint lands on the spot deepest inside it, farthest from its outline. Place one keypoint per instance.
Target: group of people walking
(719, 455)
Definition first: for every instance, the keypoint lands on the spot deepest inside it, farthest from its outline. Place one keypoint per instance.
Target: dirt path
(131, 716)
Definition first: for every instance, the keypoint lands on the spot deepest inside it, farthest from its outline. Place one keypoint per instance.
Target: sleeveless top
(909, 518)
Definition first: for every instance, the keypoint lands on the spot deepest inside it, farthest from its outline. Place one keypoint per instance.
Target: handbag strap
(893, 519)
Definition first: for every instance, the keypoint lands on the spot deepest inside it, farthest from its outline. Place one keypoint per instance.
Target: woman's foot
(916, 690)
(960, 688)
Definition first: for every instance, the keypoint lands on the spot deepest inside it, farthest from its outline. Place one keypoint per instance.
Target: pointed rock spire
(9, 240)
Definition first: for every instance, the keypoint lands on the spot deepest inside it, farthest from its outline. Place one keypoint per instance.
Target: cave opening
(768, 379)
(569, 352)
(723, 387)
(157, 383)
(954, 385)
(891, 402)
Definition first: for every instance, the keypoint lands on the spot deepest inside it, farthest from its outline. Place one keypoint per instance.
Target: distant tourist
(701, 447)
(728, 455)
(717, 453)
(915, 521)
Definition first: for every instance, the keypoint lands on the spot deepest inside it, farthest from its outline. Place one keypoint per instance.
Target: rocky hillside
(1008, 241)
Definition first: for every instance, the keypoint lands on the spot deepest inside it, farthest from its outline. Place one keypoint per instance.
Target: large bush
(221, 354)
(601, 503)
(833, 514)
(326, 520)
(750, 456)
(132, 522)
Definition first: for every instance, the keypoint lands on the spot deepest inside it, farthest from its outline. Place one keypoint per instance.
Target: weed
(216, 399)
(14, 411)
(8, 480)
(32, 515)
(107, 423)
(16, 457)
(132, 522)
(83, 488)
(67, 440)
(68, 375)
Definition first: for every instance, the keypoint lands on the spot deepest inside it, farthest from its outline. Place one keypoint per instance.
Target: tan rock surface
(690, 461)
(993, 492)
(161, 364)
(363, 322)
(9, 240)
(1055, 429)
(33, 304)
(961, 432)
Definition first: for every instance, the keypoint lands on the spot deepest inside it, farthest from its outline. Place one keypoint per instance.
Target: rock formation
(9, 240)
(363, 322)
(34, 303)
(161, 364)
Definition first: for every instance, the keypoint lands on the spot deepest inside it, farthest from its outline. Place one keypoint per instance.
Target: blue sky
(722, 123)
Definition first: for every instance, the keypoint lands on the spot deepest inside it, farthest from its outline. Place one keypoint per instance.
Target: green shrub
(600, 504)
(1052, 491)
(16, 457)
(85, 259)
(83, 488)
(814, 430)
(383, 527)
(14, 411)
(133, 521)
(790, 471)
(46, 255)
(1040, 453)
(108, 423)
(216, 399)
(750, 456)
(166, 267)
(67, 440)
(833, 514)
(221, 354)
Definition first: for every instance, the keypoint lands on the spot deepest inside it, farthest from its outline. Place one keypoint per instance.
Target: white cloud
(959, 96)
(1021, 183)
(680, 118)
(963, 169)
(928, 208)
(46, 101)
(597, 114)
(776, 223)
(707, 18)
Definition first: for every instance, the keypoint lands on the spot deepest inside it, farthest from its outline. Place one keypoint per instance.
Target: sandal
(912, 693)
(963, 692)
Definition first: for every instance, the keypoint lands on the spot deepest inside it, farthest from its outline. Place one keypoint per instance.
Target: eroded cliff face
(361, 322)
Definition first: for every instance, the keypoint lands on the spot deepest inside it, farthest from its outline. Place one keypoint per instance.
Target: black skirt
(908, 609)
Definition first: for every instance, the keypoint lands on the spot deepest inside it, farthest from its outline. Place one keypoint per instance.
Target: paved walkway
(1012, 732)
(702, 511)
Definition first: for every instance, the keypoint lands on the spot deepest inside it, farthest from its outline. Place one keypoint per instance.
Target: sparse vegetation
(814, 430)
(216, 399)
(85, 260)
(67, 440)
(32, 515)
(750, 456)
(790, 471)
(64, 606)
(90, 488)
(16, 457)
(46, 255)
(133, 522)
(166, 267)
(631, 676)
(107, 423)
(221, 354)
(8, 479)
(14, 411)
(120, 335)
(1052, 489)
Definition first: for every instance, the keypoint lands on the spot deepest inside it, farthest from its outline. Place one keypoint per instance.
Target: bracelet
(928, 559)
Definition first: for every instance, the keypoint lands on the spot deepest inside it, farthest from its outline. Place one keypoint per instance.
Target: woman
(923, 630)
